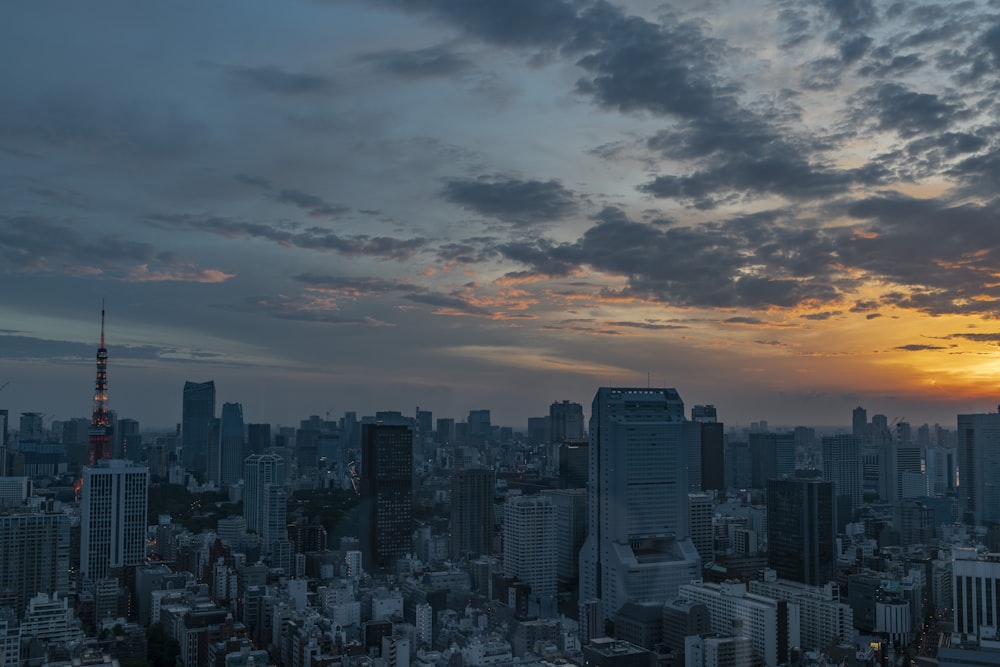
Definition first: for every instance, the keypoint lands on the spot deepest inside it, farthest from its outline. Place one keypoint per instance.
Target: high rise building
(258, 438)
(30, 429)
(801, 530)
(197, 413)
(529, 545)
(101, 429)
(566, 422)
(842, 465)
(975, 584)
(700, 512)
(34, 554)
(713, 456)
(859, 422)
(480, 428)
(112, 517)
(386, 510)
(260, 471)
(4, 430)
(472, 512)
(772, 456)
(232, 440)
(979, 467)
(638, 546)
(571, 529)
(574, 463)
(128, 442)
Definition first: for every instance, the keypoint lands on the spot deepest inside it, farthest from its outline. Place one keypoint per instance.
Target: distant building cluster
(646, 535)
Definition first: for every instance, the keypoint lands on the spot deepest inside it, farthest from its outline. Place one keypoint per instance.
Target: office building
(823, 619)
(258, 438)
(638, 546)
(571, 529)
(386, 509)
(34, 555)
(574, 463)
(260, 471)
(566, 422)
(801, 531)
(479, 427)
(197, 413)
(529, 544)
(113, 510)
(842, 465)
(979, 468)
(701, 509)
(764, 620)
(232, 447)
(772, 457)
(472, 512)
(975, 592)
(128, 441)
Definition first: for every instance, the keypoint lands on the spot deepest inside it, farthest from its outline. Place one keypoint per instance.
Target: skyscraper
(772, 456)
(232, 444)
(638, 546)
(34, 554)
(801, 530)
(529, 544)
(100, 422)
(842, 465)
(472, 512)
(386, 510)
(112, 517)
(198, 411)
(566, 422)
(979, 468)
(859, 422)
(260, 471)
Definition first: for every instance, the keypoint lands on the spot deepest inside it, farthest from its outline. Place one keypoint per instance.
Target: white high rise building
(259, 470)
(638, 546)
(529, 544)
(113, 512)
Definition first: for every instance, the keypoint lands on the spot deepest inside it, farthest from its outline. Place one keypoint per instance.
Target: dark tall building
(258, 438)
(566, 422)
(472, 512)
(232, 444)
(772, 456)
(445, 431)
(386, 510)
(713, 456)
(801, 530)
(480, 428)
(198, 411)
(574, 465)
(859, 422)
(128, 442)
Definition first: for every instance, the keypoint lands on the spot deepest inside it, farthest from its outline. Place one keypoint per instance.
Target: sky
(784, 208)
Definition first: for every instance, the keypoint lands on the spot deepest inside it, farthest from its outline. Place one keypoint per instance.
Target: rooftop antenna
(102, 322)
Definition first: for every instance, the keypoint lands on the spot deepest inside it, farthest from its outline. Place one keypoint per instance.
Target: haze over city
(783, 209)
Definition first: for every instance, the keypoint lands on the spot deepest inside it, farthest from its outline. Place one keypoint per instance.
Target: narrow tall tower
(100, 422)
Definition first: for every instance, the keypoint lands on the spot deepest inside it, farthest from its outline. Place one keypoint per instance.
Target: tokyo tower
(100, 423)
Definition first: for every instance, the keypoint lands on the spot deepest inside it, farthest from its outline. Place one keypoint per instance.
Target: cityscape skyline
(788, 210)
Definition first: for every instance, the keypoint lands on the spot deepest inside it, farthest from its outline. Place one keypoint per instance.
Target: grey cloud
(430, 62)
(907, 112)
(915, 347)
(977, 337)
(819, 317)
(271, 79)
(449, 302)
(313, 205)
(851, 14)
(743, 320)
(513, 200)
(355, 286)
(30, 347)
(315, 238)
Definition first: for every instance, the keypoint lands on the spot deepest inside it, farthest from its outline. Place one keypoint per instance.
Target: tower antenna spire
(102, 322)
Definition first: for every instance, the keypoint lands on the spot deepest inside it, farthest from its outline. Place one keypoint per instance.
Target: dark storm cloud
(430, 62)
(314, 238)
(513, 200)
(274, 80)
